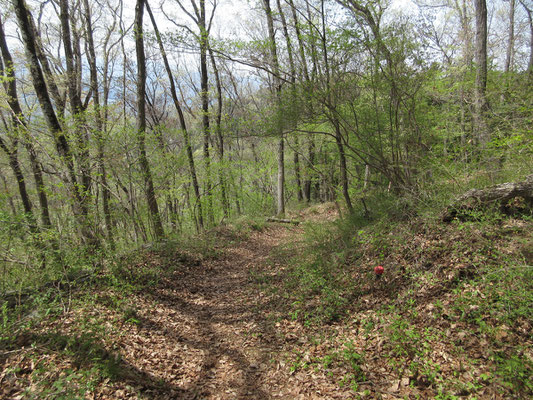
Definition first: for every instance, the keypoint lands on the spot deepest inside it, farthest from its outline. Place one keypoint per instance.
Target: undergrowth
(474, 276)
(59, 330)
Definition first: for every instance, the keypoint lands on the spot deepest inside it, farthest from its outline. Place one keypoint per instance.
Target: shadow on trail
(224, 301)
(86, 353)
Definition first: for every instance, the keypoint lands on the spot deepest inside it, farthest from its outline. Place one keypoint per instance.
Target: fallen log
(499, 194)
(283, 221)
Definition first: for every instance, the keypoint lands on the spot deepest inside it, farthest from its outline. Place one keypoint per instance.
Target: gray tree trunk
(141, 120)
(510, 41)
(277, 88)
(181, 118)
(480, 105)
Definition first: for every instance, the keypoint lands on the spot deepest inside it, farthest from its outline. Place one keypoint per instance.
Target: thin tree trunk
(204, 94)
(141, 121)
(299, 192)
(529, 12)
(314, 53)
(50, 116)
(367, 176)
(307, 184)
(20, 122)
(220, 137)
(293, 81)
(343, 167)
(19, 176)
(59, 100)
(76, 107)
(288, 42)
(8, 195)
(480, 105)
(277, 88)
(510, 42)
(181, 117)
(334, 118)
(99, 128)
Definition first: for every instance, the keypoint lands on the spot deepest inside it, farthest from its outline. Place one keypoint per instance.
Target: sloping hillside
(259, 311)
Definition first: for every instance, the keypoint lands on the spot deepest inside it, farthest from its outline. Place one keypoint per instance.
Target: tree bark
(181, 118)
(76, 107)
(301, 46)
(283, 221)
(307, 185)
(277, 89)
(20, 122)
(141, 120)
(99, 124)
(510, 41)
(333, 116)
(12, 154)
(529, 12)
(61, 142)
(219, 136)
(495, 194)
(59, 100)
(480, 106)
(292, 79)
(204, 88)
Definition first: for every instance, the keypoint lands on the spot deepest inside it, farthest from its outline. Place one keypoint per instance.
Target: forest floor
(216, 326)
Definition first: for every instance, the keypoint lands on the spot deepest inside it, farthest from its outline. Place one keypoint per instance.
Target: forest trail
(219, 323)
(206, 333)
(205, 330)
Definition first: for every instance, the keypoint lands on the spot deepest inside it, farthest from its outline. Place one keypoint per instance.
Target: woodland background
(123, 126)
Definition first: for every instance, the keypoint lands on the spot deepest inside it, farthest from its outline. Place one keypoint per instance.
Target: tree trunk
(20, 122)
(498, 194)
(141, 120)
(313, 46)
(39, 84)
(510, 41)
(367, 176)
(204, 88)
(220, 137)
(281, 177)
(331, 104)
(299, 192)
(301, 46)
(307, 184)
(76, 108)
(99, 124)
(19, 176)
(181, 117)
(293, 81)
(288, 42)
(480, 106)
(277, 89)
(343, 168)
(59, 100)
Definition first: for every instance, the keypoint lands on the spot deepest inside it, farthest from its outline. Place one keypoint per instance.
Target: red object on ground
(379, 270)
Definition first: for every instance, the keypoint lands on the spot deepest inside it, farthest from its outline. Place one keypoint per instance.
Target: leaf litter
(207, 330)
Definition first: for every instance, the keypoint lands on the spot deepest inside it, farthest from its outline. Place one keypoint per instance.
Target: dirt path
(205, 331)
(208, 330)
(204, 334)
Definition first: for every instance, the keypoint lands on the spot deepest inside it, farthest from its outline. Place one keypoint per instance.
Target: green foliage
(243, 225)
(320, 275)
(355, 360)
(515, 370)
(91, 363)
